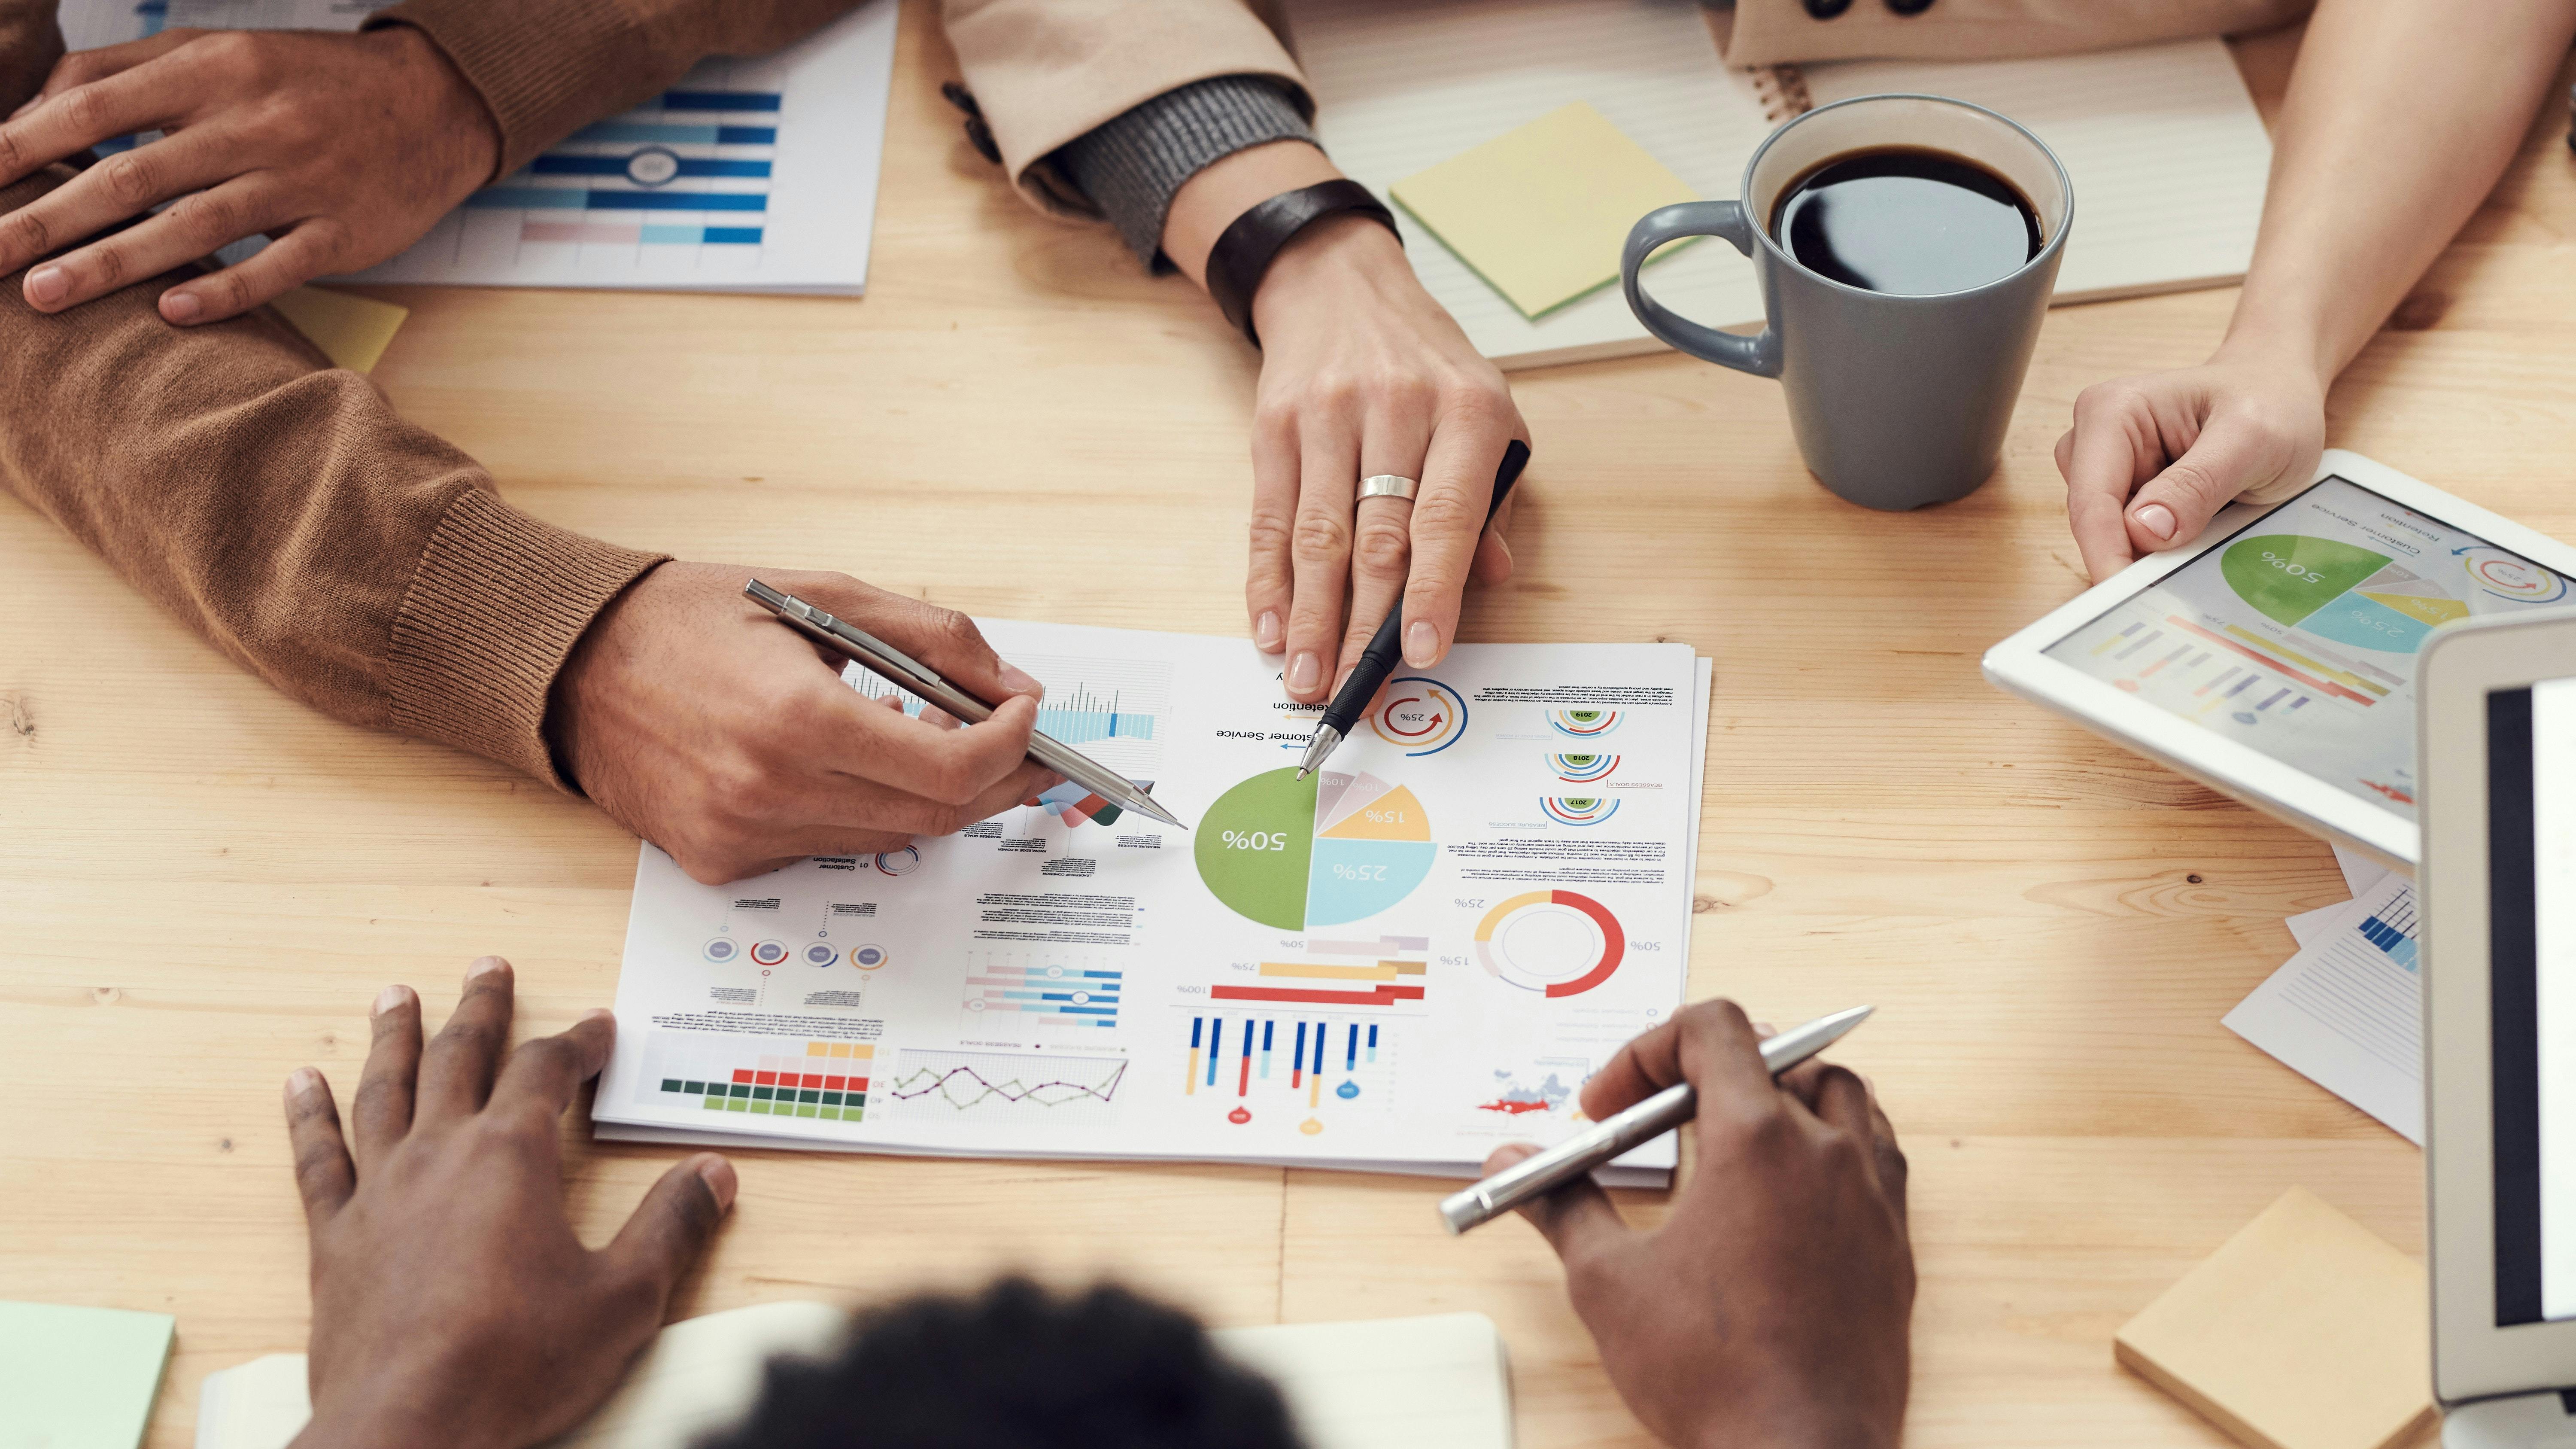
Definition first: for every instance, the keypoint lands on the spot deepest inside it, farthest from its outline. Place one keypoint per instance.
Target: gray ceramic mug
(1896, 401)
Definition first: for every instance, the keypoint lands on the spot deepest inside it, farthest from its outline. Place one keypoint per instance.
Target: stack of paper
(2347, 1012)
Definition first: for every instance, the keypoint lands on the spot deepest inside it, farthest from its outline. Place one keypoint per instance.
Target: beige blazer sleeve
(1046, 71)
(1783, 32)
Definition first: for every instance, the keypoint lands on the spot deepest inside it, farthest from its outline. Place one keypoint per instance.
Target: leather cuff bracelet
(1242, 256)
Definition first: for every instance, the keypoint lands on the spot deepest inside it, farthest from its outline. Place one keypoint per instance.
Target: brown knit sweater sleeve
(278, 506)
(549, 67)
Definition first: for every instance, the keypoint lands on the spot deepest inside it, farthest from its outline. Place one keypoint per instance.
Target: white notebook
(2166, 150)
(1397, 1383)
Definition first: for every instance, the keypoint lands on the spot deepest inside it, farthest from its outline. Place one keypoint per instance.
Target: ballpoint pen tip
(1303, 772)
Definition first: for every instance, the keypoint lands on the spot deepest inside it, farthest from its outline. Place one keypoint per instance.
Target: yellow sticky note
(2304, 1331)
(352, 331)
(1541, 212)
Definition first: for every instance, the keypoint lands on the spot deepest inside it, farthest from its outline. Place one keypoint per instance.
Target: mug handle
(1758, 354)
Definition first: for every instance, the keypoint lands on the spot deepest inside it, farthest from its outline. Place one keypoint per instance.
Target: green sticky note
(79, 1378)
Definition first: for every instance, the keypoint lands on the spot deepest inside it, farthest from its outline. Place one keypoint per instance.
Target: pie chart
(1557, 943)
(1322, 851)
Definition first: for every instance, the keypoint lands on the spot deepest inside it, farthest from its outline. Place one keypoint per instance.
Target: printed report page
(1417, 954)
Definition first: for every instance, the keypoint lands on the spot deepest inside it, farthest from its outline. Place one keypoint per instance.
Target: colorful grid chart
(1051, 994)
(690, 169)
(761, 1076)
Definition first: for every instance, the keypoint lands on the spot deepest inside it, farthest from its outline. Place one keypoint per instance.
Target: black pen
(1382, 655)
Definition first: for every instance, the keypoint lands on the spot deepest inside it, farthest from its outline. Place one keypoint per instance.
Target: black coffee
(1905, 220)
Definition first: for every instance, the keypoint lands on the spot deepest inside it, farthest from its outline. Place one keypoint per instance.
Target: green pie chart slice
(1255, 845)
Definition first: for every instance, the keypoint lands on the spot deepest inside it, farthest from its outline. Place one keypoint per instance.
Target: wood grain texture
(205, 884)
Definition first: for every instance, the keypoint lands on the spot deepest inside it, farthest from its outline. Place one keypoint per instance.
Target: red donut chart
(1495, 952)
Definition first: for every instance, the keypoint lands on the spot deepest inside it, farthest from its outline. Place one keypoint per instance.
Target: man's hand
(344, 148)
(700, 723)
(452, 1304)
(2151, 459)
(1771, 1307)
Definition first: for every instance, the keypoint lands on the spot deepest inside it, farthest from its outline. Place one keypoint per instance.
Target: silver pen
(905, 672)
(1612, 1135)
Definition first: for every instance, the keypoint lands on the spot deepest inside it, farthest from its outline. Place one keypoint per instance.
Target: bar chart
(1252, 1064)
(1014, 993)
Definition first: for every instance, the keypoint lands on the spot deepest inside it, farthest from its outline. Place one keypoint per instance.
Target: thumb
(1577, 1219)
(2175, 505)
(673, 1225)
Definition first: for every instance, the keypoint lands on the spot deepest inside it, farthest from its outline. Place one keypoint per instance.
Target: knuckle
(1445, 511)
(1337, 391)
(28, 233)
(466, 1036)
(241, 53)
(376, 1097)
(1476, 402)
(13, 153)
(1321, 538)
(316, 1161)
(83, 108)
(207, 216)
(1272, 535)
(1383, 546)
(133, 178)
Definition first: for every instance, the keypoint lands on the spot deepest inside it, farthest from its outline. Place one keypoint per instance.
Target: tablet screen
(2297, 635)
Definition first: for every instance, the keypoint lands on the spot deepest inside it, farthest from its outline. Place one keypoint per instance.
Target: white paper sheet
(2347, 1012)
(1490, 895)
(750, 175)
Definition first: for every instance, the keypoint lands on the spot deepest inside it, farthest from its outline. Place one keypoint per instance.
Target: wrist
(1209, 202)
(1342, 252)
(460, 119)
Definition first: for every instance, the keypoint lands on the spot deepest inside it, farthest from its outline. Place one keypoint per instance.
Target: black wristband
(1241, 257)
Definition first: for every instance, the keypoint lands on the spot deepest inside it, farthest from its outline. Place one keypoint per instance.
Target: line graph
(993, 1087)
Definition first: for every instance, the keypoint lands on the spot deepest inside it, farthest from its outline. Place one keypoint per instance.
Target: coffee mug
(1897, 401)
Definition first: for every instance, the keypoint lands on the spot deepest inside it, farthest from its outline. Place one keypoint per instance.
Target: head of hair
(1017, 1367)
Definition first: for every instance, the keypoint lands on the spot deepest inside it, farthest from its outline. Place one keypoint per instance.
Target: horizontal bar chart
(672, 133)
(720, 100)
(634, 235)
(1375, 996)
(568, 198)
(1322, 971)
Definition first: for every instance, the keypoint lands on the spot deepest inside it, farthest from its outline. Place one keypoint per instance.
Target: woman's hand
(1363, 373)
(2151, 459)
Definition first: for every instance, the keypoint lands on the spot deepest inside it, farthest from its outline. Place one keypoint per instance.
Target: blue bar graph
(666, 133)
(1265, 1047)
(1216, 1045)
(1351, 1050)
(566, 198)
(1372, 1046)
(2399, 946)
(720, 100)
(551, 165)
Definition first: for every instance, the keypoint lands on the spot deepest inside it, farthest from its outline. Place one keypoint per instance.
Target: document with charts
(750, 174)
(1415, 955)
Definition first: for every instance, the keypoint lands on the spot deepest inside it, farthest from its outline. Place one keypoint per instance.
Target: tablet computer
(2274, 658)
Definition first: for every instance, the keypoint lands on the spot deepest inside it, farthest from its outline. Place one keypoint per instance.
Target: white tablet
(2274, 658)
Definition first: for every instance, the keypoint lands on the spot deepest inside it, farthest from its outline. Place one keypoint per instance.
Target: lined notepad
(1396, 1383)
(2166, 150)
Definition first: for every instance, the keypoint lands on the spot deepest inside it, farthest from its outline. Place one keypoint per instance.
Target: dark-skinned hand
(452, 1304)
(1771, 1306)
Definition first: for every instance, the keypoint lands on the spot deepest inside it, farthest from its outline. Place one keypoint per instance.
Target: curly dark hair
(1016, 1367)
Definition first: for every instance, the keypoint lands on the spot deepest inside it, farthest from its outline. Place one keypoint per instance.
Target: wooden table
(205, 884)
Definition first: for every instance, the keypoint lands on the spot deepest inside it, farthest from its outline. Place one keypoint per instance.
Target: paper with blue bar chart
(1399, 963)
(2347, 1012)
(748, 175)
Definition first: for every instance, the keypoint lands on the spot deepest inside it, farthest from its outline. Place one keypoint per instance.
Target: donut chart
(1557, 943)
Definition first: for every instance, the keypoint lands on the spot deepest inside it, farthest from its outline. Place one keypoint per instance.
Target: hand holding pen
(1770, 1305)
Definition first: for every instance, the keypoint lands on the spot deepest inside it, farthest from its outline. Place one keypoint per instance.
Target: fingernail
(303, 1082)
(181, 307)
(1303, 674)
(1265, 631)
(1020, 681)
(717, 1174)
(484, 966)
(1421, 644)
(2157, 519)
(47, 284)
(390, 999)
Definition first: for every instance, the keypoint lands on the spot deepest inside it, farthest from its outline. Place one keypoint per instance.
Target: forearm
(548, 67)
(2399, 119)
(280, 509)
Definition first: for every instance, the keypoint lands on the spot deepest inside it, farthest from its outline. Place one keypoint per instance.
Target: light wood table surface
(202, 884)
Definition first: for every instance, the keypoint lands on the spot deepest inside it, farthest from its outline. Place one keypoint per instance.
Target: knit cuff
(494, 609)
(541, 87)
(1133, 164)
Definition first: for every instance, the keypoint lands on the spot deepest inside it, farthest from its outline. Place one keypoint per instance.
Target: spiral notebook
(2167, 152)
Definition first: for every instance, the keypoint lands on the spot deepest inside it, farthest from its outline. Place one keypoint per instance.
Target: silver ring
(1388, 485)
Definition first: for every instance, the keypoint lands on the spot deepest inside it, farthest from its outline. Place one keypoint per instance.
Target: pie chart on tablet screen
(1322, 851)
